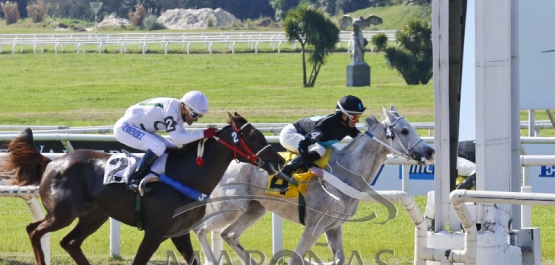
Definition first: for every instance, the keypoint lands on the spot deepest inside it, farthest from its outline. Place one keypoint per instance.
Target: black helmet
(350, 105)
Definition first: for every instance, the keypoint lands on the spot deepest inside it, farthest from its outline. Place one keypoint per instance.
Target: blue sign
(547, 171)
(419, 172)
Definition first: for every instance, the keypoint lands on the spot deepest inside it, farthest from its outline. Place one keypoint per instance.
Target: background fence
(81, 42)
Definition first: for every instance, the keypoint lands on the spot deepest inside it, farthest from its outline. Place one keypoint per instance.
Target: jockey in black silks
(309, 137)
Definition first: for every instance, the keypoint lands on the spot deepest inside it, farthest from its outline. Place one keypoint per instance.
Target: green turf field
(95, 89)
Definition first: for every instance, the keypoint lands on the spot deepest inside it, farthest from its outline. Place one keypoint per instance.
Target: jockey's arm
(180, 137)
(309, 139)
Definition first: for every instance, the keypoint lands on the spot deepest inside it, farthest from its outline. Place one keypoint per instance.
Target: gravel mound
(112, 20)
(196, 18)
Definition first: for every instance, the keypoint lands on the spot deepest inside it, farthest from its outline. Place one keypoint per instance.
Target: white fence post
(277, 234)
(114, 238)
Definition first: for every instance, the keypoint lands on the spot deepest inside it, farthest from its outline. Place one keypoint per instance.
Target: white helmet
(196, 101)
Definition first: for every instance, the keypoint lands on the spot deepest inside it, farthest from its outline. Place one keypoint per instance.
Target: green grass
(367, 238)
(396, 235)
(95, 89)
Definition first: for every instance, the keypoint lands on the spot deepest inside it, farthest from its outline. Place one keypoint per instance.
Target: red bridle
(250, 155)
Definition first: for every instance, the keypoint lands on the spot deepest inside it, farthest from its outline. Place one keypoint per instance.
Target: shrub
(379, 41)
(138, 17)
(78, 28)
(210, 23)
(11, 13)
(151, 23)
(412, 54)
(37, 11)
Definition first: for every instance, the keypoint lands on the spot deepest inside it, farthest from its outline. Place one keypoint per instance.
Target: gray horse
(240, 199)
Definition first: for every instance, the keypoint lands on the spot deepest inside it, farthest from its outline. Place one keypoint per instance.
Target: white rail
(274, 128)
(80, 41)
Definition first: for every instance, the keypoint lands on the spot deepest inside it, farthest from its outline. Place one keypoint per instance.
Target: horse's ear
(389, 115)
(231, 120)
(392, 108)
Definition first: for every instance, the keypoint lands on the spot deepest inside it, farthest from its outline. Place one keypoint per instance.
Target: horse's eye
(405, 131)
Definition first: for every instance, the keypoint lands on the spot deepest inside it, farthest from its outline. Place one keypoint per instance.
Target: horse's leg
(233, 232)
(38, 229)
(213, 223)
(335, 240)
(87, 224)
(310, 235)
(185, 248)
(149, 245)
(222, 213)
(34, 237)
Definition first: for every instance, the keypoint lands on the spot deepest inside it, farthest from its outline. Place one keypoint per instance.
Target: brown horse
(71, 187)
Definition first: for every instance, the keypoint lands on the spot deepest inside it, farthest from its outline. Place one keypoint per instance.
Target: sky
(467, 129)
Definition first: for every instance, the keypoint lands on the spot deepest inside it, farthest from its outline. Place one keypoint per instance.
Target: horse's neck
(184, 167)
(363, 156)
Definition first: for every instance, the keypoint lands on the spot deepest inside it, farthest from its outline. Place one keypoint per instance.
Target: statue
(358, 40)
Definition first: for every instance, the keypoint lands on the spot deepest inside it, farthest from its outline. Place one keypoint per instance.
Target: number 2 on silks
(170, 123)
(235, 138)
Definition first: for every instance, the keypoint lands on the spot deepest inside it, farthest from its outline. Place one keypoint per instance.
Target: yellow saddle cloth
(281, 187)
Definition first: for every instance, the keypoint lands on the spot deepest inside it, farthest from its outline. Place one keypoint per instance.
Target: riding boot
(468, 183)
(286, 172)
(144, 166)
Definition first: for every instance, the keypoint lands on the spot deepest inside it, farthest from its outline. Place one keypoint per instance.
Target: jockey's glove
(317, 171)
(210, 132)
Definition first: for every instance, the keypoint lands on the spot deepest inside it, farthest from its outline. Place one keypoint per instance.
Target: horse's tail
(24, 163)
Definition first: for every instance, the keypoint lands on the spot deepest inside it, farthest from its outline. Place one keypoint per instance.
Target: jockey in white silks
(139, 126)
(309, 137)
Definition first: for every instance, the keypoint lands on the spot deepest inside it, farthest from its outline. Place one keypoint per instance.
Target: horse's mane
(371, 122)
(193, 145)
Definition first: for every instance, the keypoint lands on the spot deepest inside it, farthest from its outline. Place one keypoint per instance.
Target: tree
(353, 5)
(282, 6)
(79, 9)
(310, 27)
(412, 54)
(11, 12)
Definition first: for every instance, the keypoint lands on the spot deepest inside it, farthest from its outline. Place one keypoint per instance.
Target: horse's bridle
(249, 154)
(390, 134)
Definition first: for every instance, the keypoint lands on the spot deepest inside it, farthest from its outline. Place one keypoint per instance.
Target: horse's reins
(250, 155)
(390, 134)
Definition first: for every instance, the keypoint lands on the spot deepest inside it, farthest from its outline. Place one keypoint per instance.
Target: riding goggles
(194, 114)
(352, 117)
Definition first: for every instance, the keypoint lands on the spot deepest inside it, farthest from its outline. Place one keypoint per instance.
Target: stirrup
(135, 187)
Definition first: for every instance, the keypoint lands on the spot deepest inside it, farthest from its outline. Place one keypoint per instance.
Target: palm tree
(310, 27)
